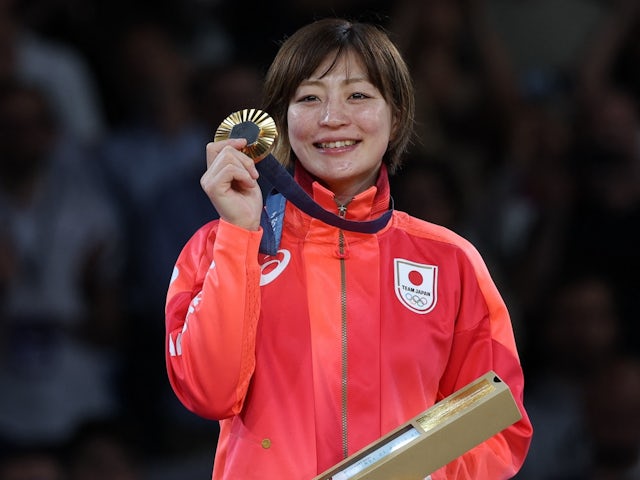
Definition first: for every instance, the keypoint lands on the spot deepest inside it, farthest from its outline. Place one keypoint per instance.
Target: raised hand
(231, 184)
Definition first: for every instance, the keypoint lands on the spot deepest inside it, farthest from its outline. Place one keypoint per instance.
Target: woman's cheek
(375, 118)
(298, 126)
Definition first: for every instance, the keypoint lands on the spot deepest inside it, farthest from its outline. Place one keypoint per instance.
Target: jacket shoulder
(419, 228)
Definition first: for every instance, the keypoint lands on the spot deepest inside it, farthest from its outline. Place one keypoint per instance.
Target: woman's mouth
(337, 144)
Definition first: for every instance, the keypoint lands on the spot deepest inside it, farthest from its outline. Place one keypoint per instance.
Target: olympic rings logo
(415, 299)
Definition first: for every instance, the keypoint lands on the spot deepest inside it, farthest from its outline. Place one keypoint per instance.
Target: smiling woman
(339, 126)
(310, 354)
(317, 51)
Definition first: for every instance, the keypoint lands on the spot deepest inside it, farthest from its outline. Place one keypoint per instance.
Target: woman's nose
(333, 114)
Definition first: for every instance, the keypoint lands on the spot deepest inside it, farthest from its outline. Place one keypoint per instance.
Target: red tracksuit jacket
(309, 355)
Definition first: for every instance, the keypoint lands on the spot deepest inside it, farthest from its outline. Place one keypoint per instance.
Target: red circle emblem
(415, 277)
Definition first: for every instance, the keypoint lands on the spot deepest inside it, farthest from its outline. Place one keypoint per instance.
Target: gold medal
(256, 126)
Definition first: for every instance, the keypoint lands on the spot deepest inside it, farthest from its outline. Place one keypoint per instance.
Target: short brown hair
(301, 54)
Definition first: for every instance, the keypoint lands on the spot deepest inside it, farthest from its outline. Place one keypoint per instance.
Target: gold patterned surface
(259, 147)
(459, 402)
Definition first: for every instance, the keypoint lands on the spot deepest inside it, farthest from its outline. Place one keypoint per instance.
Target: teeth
(341, 143)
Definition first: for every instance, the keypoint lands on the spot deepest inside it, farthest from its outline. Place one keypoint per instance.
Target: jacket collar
(366, 205)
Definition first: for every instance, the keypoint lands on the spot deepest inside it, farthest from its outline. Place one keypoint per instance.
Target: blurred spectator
(59, 309)
(219, 90)
(158, 138)
(602, 232)
(90, 25)
(612, 410)
(176, 207)
(31, 463)
(603, 229)
(545, 39)
(429, 189)
(57, 69)
(611, 417)
(465, 89)
(521, 220)
(612, 55)
(575, 332)
(104, 450)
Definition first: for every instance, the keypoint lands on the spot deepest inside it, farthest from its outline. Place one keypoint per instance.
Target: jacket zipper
(342, 211)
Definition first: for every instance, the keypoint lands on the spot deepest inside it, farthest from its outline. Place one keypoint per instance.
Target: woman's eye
(308, 98)
(359, 96)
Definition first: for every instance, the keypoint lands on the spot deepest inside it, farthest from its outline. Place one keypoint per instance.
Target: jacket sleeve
(211, 317)
(483, 341)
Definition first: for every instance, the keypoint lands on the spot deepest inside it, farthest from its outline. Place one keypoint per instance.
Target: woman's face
(340, 126)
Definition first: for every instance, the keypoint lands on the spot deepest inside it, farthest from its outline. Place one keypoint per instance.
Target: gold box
(437, 436)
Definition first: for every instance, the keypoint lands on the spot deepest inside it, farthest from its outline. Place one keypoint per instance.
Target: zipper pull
(342, 251)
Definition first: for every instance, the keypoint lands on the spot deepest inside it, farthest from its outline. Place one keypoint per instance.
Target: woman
(311, 354)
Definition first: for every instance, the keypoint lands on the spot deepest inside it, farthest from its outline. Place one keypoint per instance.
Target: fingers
(228, 176)
(229, 167)
(215, 148)
(224, 154)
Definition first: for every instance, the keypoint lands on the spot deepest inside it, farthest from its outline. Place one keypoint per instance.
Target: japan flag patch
(415, 285)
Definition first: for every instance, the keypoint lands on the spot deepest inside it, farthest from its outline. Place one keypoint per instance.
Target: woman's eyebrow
(349, 80)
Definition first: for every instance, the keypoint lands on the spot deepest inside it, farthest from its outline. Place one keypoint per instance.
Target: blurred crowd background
(528, 144)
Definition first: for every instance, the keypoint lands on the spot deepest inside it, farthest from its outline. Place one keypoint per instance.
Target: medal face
(256, 126)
